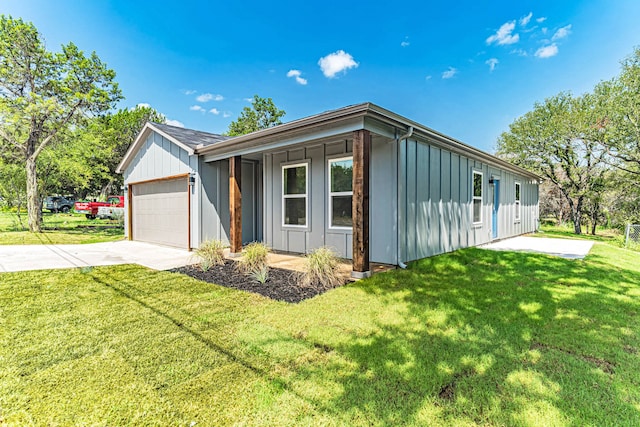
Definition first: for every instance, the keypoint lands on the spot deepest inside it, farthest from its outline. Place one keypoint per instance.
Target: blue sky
(466, 68)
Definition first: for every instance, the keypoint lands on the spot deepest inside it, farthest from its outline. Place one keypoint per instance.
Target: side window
(294, 195)
(340, 192)
(517, 201)
(477, 197)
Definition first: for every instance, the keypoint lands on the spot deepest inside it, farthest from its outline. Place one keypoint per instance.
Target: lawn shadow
(479, 336)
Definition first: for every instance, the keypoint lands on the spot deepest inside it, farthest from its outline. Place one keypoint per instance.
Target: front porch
(294, 201)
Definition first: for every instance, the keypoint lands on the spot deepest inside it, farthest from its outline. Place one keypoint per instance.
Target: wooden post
(360, 208)
(235, 204)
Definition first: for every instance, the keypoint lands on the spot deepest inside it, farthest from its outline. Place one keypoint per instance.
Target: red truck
(90, 209)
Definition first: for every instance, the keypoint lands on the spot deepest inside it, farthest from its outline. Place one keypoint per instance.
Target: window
(477, 197)
(517, 201)
(340, 192)
(294, 195)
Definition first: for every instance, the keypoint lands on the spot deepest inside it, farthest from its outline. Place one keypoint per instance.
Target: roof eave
(306, 122)
(462, 148)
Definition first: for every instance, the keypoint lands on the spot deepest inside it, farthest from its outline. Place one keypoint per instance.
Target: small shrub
(118, 217)
(321, 268)
(211, 253)
(254, 258)
(260, 274)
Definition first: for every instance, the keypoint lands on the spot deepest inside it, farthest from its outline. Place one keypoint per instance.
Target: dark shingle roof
(190, 137)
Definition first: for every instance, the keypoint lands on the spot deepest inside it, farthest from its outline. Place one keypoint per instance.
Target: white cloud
(547, 51)
(405, 42)
(492, 62)
(206, 97)
(189, 92)
(503, 35)
(214, 111)
(143, 105)
(525, 19)
(248, 99)
(562, 33)
(428, 77)
(196, 108)
(226, 114)
(336, 62)
(544, 30)
(519, 52)
(296, 74)
(449, 73)
(175, 123)
(541, 19)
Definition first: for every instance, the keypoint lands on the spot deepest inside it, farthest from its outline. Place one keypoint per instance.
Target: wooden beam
(235, 204)
(360, 207)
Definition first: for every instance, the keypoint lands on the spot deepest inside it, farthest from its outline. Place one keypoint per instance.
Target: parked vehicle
(110, 212)
(90, 209)
(58, 204)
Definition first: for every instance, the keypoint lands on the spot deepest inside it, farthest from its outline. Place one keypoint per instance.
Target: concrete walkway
(40, 257)
(565, 248)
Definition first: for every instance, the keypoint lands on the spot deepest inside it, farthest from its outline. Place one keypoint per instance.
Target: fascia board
(141, 138)
(307, 135)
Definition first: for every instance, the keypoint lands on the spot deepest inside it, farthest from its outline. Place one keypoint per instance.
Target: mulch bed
(282, 285)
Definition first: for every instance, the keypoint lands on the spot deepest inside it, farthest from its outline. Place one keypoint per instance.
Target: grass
(58, 229)
(321, 266)
(469, 338)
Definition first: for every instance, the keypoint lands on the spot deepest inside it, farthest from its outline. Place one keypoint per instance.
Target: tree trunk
(34, 210)
(576, 213)
(105, 191)
(577, 216)
(594, 219)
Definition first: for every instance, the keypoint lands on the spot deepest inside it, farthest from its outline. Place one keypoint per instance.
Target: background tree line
(59, 133)
(587, 148)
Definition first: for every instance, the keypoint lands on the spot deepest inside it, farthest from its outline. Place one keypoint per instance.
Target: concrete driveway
(40, 257)
(565, 248)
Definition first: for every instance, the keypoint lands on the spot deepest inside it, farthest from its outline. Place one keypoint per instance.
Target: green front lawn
(469, 338)
(58, 229)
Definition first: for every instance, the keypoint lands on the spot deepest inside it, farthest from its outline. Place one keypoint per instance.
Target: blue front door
(496, 207)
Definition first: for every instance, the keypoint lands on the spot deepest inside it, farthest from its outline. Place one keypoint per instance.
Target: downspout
(398, 201)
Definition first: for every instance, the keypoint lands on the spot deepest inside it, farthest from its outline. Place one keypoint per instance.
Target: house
(373, 185)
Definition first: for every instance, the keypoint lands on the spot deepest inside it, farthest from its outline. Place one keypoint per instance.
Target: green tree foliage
(263, 114)
(112, 135)
(588, 147)
(83, 161)
(42, 94)
(618, 101)
(558, 141)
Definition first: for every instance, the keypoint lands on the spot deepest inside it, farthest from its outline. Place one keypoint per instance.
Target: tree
(619, 103)
(42, 94)
(557, 140)
(263, 114)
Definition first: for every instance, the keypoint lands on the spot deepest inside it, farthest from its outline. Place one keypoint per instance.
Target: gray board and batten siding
(214, 207)
(318, 230)
(436, 214)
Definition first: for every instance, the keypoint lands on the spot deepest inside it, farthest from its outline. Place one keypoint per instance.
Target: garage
(159, 212)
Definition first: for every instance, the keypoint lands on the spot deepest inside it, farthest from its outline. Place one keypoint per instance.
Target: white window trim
(338, 193)
(474, 197)
(518, 201)
(296, 196)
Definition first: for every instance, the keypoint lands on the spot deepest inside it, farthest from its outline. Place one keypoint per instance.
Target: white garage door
(160, 212)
